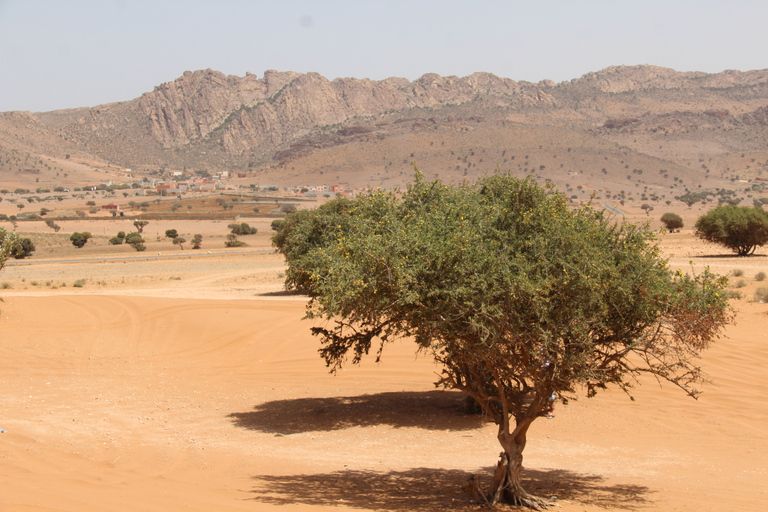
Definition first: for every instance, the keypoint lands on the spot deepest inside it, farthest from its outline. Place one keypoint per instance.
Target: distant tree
(647, 208)
(171, 233)
(232, 241)
(242, 229)
(90, 203)
(52, 224)
(80, 239)
(179, 241)
(520, 299)
(276, 224)
(140, 225)
(44, 212)
(672, 221)
(739, 228)
(136, 241)
(197, 241)
(288, 208)
(19, 205)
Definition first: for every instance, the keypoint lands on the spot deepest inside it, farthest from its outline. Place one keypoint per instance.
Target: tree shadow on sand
(433, 410)
(426, 489)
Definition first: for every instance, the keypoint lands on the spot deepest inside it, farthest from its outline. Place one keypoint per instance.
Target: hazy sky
(72, 53)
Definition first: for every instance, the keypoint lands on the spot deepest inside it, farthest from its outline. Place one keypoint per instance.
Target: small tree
(24, 249)
(672, 221)
(520, 299)
(8, 244)
(276, 224)
(179, 241)
(171, 233)
(232, 241)
(242, 229)
(739, 228)
(197, 241)
(80, 239)
(136, 241)
(52, 224)
(140, 224)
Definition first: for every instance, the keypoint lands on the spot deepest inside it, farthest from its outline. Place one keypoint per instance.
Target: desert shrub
(51, 224)
(761, 295)
(242, 229)
(760, 276)
(79, 283)
(276, 224)
(80, 239)
(740, 283)
(232, 241)
(733, 294)
(24, 249)
(5, 285)
(672, 221)
(737, 272)
(739, 228)
(171, 233)
(136, 241)
(197, 240)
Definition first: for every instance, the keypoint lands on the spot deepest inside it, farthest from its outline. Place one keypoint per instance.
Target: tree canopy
(521, 300)
(672, 221)
(739, 228)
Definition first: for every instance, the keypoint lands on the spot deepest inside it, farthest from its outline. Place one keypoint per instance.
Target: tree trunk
(506, 486)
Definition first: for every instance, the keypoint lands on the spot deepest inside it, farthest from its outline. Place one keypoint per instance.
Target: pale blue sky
(71, 53)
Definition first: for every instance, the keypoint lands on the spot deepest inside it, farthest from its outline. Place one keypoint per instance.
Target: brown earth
(192, 383)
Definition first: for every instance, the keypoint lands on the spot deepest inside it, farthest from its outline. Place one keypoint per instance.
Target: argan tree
(80, 239)
(672, 221)
(136, 241)
(519, 298)
(739, 228)
(197, 241)
(140, 225)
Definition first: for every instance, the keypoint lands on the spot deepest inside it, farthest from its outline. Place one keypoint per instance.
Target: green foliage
(515, 295)
(115, 240)
(52, 224)
(179, 241)
(79, 283)
(672, 221)
(739, 228)
(80, 239)
(276, 224)
(136, 241)
(171, 233)
(9, 242)
(24, 249)
(197, 241)
(232, 241)
(242, 229)
(140, 225)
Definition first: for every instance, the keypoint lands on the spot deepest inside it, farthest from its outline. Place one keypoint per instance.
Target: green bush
(672, 221)
(80, 239)
(739, 228)
(79, 283)
(760, 276)
(242, 229)
(232, 241)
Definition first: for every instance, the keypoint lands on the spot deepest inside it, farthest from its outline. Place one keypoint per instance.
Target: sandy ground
(187, 381)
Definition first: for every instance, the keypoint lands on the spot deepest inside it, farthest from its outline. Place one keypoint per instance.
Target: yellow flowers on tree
(545, 303)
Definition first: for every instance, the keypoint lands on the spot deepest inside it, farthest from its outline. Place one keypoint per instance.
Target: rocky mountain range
(292, 126)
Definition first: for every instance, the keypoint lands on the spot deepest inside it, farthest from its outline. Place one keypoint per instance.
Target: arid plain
(187, 380)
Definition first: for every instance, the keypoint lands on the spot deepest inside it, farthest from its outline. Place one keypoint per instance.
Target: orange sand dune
(113, 401)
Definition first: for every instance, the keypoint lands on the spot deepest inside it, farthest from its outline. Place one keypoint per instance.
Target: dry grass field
(185, 380)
